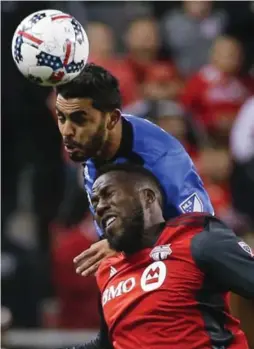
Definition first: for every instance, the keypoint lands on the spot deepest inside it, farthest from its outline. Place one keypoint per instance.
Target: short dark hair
(138, 170)
(96, 83)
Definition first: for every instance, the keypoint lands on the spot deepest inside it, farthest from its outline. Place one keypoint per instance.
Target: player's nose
(101, 208)
(68, 130)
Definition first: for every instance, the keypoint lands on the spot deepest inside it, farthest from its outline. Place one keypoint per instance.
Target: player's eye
(61, 118)
(78, 118)
(93, 200)
(94, 203)
(110, 194)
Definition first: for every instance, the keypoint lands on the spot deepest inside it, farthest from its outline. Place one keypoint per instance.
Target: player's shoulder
(186, 226)
(145, 128)
(189, 219)
(109, 265)
(114, 259)
(150, 140)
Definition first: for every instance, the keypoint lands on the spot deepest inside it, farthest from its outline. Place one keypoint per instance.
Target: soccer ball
(50, 47)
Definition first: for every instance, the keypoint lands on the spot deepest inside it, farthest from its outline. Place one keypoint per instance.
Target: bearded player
(166, 287)
(95, 132)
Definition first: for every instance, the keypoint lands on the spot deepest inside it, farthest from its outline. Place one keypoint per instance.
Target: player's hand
(88, 261)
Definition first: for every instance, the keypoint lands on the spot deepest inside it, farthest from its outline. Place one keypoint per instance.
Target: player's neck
(149, 238)
(152, 233)
(114, 142)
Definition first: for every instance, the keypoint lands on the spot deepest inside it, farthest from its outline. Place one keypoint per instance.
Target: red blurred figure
(77, 296)
(215, 94)
(161, 81)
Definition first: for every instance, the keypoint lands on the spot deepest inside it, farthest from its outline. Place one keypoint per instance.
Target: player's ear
(149, 197)
(113, 118)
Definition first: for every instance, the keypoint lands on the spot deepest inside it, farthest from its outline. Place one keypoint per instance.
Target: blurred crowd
(187, 66)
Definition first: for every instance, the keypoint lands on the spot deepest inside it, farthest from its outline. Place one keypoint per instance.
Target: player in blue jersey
(95, 132)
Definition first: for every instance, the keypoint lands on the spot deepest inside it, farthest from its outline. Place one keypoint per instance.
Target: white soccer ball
(50, 47)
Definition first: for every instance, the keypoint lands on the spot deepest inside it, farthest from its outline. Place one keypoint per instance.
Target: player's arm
(91, 345)
(225, 258)
(88, 261)
(95, 344)
(181, 183)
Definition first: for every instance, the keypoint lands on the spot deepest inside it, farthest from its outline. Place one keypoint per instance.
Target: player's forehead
(70, 105)
(115, 179)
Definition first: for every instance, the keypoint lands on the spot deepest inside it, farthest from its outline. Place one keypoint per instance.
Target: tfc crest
(160, 252)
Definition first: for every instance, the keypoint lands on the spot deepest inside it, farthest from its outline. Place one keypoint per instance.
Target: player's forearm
(95, 344)
(90, 345)
(100, 342)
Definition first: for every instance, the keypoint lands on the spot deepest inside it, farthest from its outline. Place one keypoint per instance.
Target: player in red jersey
(166, 287)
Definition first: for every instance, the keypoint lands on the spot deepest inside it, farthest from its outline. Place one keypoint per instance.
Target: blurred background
(187, 66)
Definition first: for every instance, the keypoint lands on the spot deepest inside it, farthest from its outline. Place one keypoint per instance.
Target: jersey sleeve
(225, 258)
(181, 183)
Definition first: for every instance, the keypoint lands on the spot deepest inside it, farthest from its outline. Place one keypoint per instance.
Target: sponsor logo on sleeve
(192, 204)
(246, 248)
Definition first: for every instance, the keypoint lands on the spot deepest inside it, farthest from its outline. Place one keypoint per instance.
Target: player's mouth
(70, 149)
(107, 221)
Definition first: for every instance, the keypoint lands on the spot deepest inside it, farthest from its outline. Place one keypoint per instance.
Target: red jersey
(173, 295)
(211, 96)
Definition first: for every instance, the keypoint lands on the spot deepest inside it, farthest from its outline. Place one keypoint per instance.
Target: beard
(129, 236)
(93, 146)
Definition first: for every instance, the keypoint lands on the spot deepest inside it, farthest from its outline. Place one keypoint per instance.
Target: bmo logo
(153, 276)
(122, 288)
